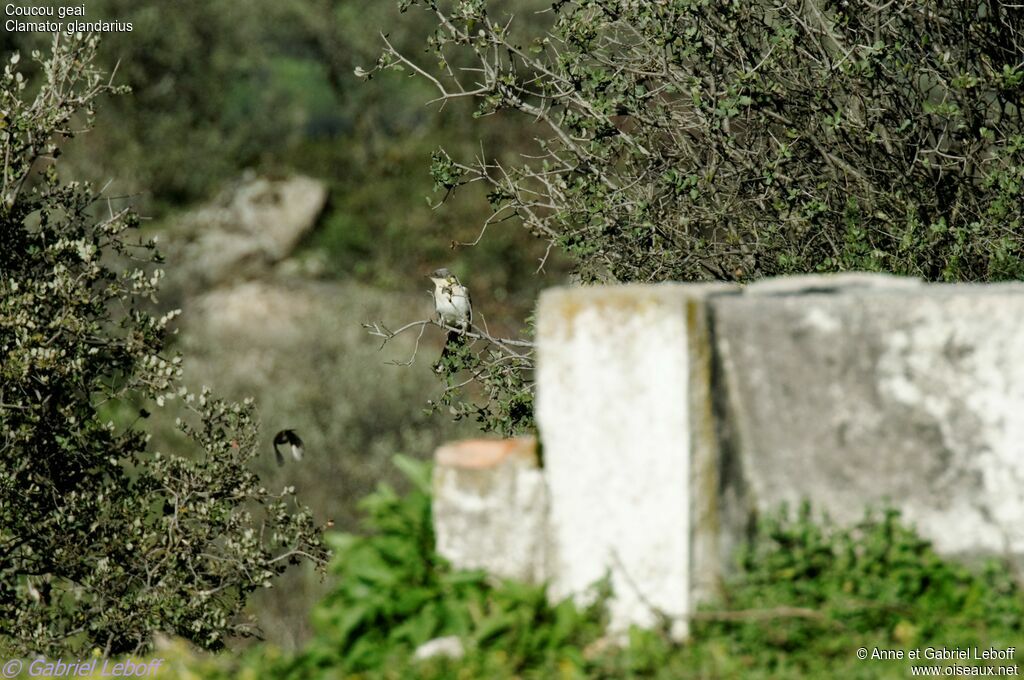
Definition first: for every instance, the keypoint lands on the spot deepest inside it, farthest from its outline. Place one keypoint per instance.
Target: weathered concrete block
(903, 394)
(845, 282)
(625, 415)
(490, 507)
(671, 415)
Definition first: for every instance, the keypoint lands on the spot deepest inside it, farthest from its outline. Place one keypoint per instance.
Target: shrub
(731, 140)
(103, 543)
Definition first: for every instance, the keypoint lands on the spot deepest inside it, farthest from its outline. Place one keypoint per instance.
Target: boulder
(240, 234)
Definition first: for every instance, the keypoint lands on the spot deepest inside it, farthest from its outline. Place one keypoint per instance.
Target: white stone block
(896, 394)
(490, 507)
(672, 415)
(625, 417)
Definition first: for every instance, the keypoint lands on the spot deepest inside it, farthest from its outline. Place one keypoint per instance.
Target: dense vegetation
(691, 139)
(104, 542)
(804, 597)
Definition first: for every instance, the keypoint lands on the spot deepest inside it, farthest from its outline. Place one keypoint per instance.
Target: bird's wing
(296, 444)
(469, 306)
(293, 441)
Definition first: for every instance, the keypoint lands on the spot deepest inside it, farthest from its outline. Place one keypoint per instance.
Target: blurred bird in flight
(290, 439)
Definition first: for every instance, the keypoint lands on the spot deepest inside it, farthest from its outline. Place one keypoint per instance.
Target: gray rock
(250, 226)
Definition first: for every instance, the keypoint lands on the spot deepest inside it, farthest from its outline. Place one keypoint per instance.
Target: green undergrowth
(805, 597)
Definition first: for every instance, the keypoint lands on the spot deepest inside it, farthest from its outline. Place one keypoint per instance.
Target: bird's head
(443, 277)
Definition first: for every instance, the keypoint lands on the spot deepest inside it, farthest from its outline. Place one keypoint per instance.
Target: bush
(877, 584)
(689, 140)
(102, 542)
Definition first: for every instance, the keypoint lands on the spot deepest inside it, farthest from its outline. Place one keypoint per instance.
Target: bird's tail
(455, 339)
(452, 344)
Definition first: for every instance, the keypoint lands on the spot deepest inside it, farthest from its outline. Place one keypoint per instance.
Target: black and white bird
(451, 301)
(290, 439)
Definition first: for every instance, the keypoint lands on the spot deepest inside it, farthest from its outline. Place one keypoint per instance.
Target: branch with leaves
(687, 141)
(487, 378)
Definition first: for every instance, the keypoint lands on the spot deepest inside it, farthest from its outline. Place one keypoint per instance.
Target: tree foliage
(103, 543)
(696, 139)
(716, 139)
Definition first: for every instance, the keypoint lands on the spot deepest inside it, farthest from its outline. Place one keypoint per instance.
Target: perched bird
(451, 300)
(292, 440)
(454, 309)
